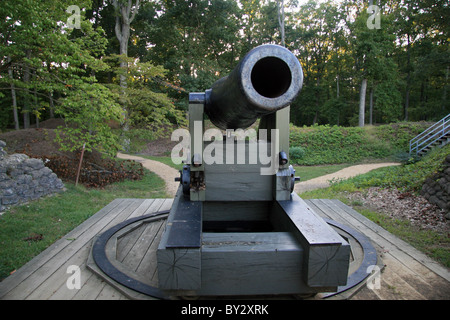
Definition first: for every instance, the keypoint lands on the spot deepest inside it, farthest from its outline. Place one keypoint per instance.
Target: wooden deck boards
(45, 276)
(408, 274)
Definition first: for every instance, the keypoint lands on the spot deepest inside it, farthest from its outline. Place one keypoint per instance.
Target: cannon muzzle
(267, 79)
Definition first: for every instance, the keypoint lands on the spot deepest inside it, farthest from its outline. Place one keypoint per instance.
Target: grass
(434, 244)
(166, 160)
(305, 172)
(311, 172)
(334, 145)
(53, 217)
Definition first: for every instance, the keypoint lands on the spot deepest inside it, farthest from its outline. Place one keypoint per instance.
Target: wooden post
(79, 165)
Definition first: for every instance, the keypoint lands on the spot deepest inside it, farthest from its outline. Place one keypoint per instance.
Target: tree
(315, 37)
(125, 13)
(280, 11)
(196, 41)
(46, 57)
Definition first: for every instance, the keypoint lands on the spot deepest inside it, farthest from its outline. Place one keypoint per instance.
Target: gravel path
(168, 174)
(324, 181)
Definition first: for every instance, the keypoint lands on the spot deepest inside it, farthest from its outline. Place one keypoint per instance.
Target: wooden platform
(408, 274)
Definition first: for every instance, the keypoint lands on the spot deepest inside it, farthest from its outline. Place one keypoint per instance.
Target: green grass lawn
(54, 216)
(310, 172)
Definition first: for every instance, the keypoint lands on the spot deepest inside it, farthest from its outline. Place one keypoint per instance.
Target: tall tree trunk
(371, 106)
(408, 80)
(444, 94)
(52, 104)
(27, 104)
(125, 13)
(13, 96)
(362, 102)
(337, 86)
(280, 5)
(36, 105)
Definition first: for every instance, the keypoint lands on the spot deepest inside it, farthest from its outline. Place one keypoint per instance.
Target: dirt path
(323, 181)
(168, 174)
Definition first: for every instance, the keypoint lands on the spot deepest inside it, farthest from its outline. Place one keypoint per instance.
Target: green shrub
(408, 177)
(296, 154)
(335, 145)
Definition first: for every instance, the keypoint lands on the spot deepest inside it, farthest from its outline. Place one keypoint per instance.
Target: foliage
(296, 154)
(399, 134)
(334, 144)
(178, 46)
(408, 178)
(147, 106)
(87, 112)
(95, 172)
(55, 216)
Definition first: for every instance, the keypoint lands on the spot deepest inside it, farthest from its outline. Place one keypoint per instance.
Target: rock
(23, 179)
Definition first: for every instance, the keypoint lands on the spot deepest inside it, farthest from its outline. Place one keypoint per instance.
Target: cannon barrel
(267, 79)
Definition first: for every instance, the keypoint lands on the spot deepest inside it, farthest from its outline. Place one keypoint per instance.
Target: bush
(296, 154)
(334, 145)
(408, 178)
(96, 172)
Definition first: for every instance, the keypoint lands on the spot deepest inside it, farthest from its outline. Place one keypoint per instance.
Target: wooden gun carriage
(236, 227)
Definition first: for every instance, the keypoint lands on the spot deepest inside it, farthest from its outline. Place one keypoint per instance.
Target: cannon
(266, 80)
(236, 227)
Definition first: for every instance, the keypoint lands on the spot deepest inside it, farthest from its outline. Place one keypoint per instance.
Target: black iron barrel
(267, 79)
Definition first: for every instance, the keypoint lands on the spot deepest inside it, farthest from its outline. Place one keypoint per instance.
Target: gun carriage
(236, 227)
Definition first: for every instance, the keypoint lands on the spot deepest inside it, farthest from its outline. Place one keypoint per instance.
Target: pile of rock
(23, 179)
(436, 189)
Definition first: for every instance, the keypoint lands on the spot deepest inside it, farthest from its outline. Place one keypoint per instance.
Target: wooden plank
(55, 287)
(24, 272)
(82, 237)
(134, 256)
(236, 211)
(259, 256)
(80, 258)
(63, 292)
(125, 243)
(148, 265)
(238, 187)
(325, 249)
(397, 255)
(416, 258)
(407, 248)
(110, 293)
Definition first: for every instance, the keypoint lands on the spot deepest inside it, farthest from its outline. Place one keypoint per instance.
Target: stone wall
(436, 189)
(23, 179)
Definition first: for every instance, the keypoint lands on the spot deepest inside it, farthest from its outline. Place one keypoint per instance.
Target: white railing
(430, 136)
